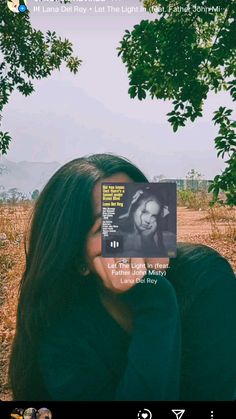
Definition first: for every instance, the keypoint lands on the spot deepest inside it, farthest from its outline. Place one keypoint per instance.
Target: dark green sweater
(182, 347)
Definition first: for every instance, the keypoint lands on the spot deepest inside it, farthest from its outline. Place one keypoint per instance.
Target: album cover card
(138, 220)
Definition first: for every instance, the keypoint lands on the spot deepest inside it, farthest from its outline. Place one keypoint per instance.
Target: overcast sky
(71, 115)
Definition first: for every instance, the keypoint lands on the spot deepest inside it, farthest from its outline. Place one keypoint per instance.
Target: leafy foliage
(225, 143)
(35, 195)
(27, 54)
(182, 55)
(194, 175)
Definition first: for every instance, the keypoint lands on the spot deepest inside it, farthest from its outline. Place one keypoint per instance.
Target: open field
(215, 228)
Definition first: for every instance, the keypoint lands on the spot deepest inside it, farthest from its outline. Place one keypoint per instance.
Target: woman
(85, 333)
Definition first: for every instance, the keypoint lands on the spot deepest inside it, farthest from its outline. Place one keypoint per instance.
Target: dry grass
(13, 222)
(213, 227)
(194, 199)
(223, 223)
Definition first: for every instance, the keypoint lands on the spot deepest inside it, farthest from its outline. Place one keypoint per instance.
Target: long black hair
(62, 218)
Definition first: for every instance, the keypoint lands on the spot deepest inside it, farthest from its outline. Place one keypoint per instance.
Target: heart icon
(144, 414)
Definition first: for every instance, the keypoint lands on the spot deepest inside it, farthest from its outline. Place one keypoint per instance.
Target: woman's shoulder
(197, 257)
(197, 269)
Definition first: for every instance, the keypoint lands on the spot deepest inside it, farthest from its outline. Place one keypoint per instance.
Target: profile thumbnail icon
(44, 413)
(17, 6)
(17, 413)
(30, 413)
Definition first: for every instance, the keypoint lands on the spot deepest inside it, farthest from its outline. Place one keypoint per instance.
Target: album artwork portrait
(139, 220)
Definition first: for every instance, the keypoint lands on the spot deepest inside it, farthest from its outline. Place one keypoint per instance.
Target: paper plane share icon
(178, 413)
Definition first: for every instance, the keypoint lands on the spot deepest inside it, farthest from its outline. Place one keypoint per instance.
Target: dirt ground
(217, 231)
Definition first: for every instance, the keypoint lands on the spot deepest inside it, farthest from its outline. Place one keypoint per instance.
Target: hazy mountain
(52, 129)
(25, 176)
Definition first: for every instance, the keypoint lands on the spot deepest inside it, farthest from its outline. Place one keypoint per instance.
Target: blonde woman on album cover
(142, 226)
